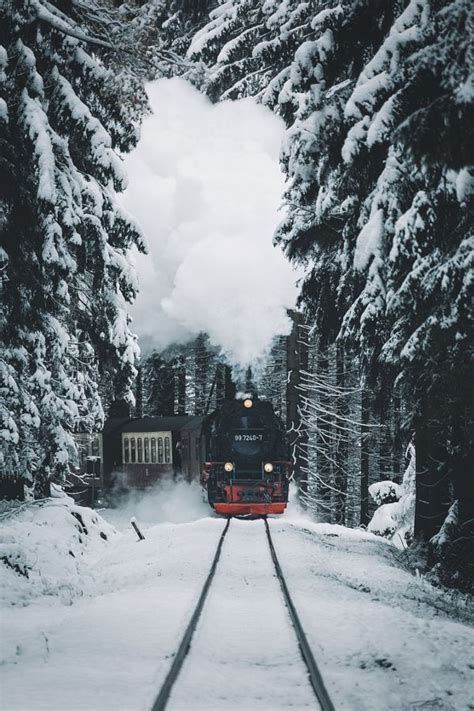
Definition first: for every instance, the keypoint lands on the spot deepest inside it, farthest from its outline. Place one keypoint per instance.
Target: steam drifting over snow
(170, 501)
(205, 185)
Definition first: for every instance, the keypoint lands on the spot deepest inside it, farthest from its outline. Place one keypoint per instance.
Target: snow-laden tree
(378, 98)
(66, 120)
(417, 239)
(159, 387)
(395, 517)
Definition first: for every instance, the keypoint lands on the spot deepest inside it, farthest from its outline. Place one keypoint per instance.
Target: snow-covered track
(265, 568)
(183, 649)
(315, 676)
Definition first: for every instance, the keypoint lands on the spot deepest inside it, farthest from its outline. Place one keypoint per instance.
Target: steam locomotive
(246, 468)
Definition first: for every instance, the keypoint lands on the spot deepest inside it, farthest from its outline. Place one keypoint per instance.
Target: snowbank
(395, 517)
(44, 547)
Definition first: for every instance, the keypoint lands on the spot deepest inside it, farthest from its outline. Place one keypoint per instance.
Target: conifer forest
(330, 271)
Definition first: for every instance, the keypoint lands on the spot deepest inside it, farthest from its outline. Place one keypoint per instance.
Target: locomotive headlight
(268, 467)
(248, 403)
(228, 467)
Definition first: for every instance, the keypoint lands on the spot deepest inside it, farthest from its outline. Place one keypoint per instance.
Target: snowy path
(381, 637)
(109, 650)
(245, 646)
(97, 632)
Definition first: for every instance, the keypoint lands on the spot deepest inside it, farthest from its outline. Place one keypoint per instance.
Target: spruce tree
(377, 97)
(66, 120)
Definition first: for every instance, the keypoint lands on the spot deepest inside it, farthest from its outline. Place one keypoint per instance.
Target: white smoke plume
(205, 185)
(169, 501)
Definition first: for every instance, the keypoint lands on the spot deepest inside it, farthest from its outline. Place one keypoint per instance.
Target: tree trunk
(41, 486)
(225, 388)
(180, 386)
(397, 453)
(432, 486)
(201, 367)
(461, 552)
(297, 360)
(139, 393)
(325, 474)
(385, 441)
(340, 480)
(364, 455)
(229, 385)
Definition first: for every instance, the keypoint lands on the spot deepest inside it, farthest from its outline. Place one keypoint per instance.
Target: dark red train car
(139, 452)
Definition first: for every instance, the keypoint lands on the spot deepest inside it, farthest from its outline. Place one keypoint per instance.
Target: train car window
(160, 450)
(126, 450)
(140, 449)
(146, 449)
(153, 449)
(167, 450)
(133, 451)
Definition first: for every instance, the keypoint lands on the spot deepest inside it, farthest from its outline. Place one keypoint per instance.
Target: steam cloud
(205, 185)
(169, 501)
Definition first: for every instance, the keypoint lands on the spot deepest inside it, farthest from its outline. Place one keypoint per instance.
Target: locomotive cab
(247, 465)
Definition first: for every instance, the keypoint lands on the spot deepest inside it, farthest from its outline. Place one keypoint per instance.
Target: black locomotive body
(246, 468)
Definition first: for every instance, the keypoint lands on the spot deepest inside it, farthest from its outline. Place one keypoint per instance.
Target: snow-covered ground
(95, 623)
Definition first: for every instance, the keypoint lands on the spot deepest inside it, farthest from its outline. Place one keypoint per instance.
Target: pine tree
(159, 384)
(377, 97)
(65, 119)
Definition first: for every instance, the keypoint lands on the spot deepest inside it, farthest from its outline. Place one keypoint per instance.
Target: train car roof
(173, 423)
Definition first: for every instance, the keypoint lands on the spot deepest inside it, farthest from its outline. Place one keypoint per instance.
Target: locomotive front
(247, 465)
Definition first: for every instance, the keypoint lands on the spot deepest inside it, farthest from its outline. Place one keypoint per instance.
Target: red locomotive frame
(246, 496)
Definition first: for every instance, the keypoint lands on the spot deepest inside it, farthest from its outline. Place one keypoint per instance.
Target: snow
(383, 122)
(36, 123)
(3, 111)
(465, 184)
(332, 13)
(311, 51)
(356, 137)
(96, 631)
(369, 241)
(404, 31)
(385, 491)
(49, 543)
(212, 31)
(225, 55)
(365, 95)
(102, 152)
(395, 519)
(382, 637)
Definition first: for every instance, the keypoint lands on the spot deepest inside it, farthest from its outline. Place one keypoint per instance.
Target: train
(239, 453)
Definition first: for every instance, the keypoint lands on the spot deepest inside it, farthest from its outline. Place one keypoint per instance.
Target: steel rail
(314, 674)
(185, 644)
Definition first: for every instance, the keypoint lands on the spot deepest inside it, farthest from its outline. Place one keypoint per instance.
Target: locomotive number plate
(248, 438)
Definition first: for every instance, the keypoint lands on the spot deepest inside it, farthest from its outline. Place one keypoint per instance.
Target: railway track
(313, 673)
